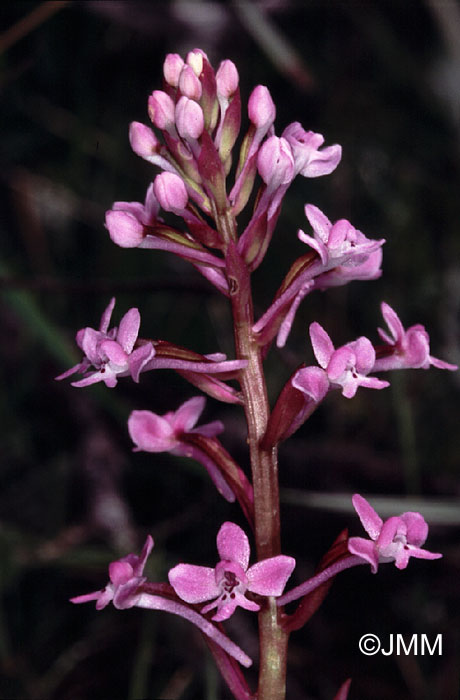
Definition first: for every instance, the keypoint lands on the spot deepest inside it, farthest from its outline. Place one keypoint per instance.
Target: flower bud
(195, 60)
(275, 161)
(172, 67)
(189, 118)
(189, 85)
(261, 108)
(124, 228)
(227, 79)
(170, 191)
(161, 109)
(142, 139)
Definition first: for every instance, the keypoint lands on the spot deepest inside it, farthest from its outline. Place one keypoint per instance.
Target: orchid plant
(196, 121)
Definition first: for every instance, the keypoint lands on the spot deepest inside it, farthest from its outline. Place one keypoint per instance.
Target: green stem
(264, 465)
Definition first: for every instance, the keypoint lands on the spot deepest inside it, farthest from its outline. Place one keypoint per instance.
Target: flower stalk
(198, 114)
(264, 469)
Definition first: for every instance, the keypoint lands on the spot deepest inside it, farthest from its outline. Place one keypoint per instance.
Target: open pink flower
(347, 366)
(153, 433)
(111, 352)
(405, 349)
(339, 243)
(227, 583)
(397, 539)
(126, 222)
(126, 590)
(125, 577)
(309, 160)
(168, 433)
(136, 225)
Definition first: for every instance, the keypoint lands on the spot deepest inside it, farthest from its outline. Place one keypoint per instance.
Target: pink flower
(136, 225)
(227, 79)
(189, 84)
(227, 583)
(153, 433)
(194, 59)
(405, 349)
(369, 269)
(125, 577)
(275, 162)
(127, 221)
(172, 67)
(345, 254)
(170, 191)
(261, 109)
(124, 590)
(309, 160)
(339, 243)
(189, 118)
(397, 539)
(161, 110)
(111, 352)
(347, 366)
(143, 141)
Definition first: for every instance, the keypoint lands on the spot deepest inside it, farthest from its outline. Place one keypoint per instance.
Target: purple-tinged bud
(227, 79)
(170, 191)
(189, 118)
(124, 228)
(142, 139)
(172, 67)
(275, 161)
(261, 108)
(161, 109)
(195, 60)
(189, 84)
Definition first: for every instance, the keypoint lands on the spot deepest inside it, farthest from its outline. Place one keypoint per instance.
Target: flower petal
(233, 544)
(226, 609)
(150, 432)
(186, 416)
(393, 322)
(269, 577)
(322, 344)
(417, 528)
(370, 520)
(129, 330)
(106, 316)
(192, 583)
(365, 549)
(318, 221)
(311, 381)
(139, 358)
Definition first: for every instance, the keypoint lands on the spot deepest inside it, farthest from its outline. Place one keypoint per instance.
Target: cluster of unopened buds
(197, 121)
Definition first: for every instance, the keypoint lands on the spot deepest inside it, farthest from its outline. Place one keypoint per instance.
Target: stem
(264, 462)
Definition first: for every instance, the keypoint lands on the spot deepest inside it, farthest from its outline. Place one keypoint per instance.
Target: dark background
(382, 79)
